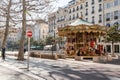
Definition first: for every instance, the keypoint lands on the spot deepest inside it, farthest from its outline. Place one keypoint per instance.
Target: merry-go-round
(82, 38)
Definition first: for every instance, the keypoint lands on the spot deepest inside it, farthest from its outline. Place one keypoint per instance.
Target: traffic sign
(29, 33)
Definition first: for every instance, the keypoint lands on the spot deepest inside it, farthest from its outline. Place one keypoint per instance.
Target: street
(65, 69)
(60, 40)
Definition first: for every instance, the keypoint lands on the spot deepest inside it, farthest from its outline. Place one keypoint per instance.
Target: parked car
(48, 47)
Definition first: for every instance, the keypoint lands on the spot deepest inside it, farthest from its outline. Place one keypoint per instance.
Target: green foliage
(113, 35)
(37, 44)
(48, 40)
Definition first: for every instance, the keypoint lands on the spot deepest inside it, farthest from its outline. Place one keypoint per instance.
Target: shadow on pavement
(114, 62)
(65, 72)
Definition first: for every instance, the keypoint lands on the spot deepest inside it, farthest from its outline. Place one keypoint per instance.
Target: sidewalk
(10, 74)
(64, 69)
(18, 66)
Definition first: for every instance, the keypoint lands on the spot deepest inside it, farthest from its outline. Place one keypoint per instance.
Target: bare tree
(29, 9)
(19, 12)
(6, 14)
(21, 50)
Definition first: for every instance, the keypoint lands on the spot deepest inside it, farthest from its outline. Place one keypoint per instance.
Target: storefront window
(108, 48)
(116, 48)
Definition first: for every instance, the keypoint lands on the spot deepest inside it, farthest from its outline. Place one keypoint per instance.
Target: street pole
(28, 53)
(52, 50)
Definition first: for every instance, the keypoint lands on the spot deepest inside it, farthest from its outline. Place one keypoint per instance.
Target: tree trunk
(22, 40)
(7, 25)
(113, 49)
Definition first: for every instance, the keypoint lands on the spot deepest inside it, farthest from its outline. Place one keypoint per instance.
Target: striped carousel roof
(80, 21)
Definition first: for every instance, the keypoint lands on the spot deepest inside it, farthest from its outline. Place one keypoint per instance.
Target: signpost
(29, 35)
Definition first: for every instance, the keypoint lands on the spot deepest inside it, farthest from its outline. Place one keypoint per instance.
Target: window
(86, 19)
(108, 48)
(86, 12)
(73, 16)
(73, 9)
(108, 25)
(100, 18)
(108, 17)
(93, 19)
(70, 18)
(81, 7)
(70, 11)
(108, 5)
(92, 9)
(81, 14)
(77, 15)
(86, 4)
(116, 2)
(116, 48)
(77, 8)
(115, 14)
(92, 2)
(65, 10)
(99, 0)
(116, 24)
(100, 7)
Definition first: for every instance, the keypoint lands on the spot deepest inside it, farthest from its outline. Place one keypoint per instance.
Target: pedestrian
(3, 53)
(78, 52)
(24, 50)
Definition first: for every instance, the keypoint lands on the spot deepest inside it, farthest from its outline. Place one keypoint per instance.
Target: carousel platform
(95, 58)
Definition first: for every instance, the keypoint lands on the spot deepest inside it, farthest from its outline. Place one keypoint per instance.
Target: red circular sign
(29, 33)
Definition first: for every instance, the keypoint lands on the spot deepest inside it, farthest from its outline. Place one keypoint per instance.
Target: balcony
(107, 19)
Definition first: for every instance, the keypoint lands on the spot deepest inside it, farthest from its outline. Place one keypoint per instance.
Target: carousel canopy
(80, 21)
(81, 26)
